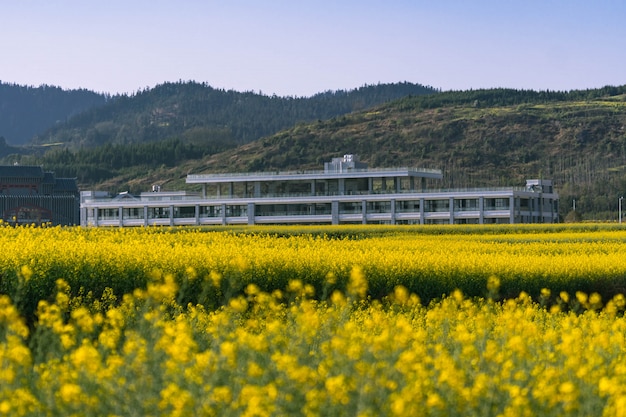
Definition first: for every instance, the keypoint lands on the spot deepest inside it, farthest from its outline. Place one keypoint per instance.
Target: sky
(301, 47)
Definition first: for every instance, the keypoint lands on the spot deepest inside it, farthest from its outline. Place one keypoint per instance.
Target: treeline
(26, 111)
(503, 97)
(173, 109)
(92, 165)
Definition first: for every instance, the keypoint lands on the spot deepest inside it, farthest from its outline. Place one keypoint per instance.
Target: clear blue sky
(299, 48)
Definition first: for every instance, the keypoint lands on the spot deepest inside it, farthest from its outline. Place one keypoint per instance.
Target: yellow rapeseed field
(355, 321)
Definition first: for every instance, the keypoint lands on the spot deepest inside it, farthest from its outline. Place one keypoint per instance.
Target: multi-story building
(30, 195)
(346, 191)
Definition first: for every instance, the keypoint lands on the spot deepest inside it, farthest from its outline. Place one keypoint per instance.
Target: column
(334, 209)
(451, 208)
(250, 214)
(364, 211)
(120, 214)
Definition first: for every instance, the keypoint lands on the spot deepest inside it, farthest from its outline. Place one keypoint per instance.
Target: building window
(132, 212)
(466, 221)
(354, 207)
(210, 211)
(437, 205)
(379, 206)
(436, 221)
(497, 203)
(466, 204)
(236, 210)
(185, 212)
(409, 206)
(108, 214)
(158, 212)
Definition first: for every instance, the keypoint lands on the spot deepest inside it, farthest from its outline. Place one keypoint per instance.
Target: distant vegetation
(200, 113)
(496, 137)
(26, 111)
(185, 121)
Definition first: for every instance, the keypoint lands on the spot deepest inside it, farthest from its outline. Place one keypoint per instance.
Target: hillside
(26, 111)
(478, 138)
(200, 114)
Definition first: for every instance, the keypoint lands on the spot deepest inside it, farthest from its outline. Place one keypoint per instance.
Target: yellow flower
(338, 389)
(70, 393)
(357, 285)
(26, 272)
(222, 394)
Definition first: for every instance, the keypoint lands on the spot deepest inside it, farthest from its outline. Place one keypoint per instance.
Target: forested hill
(479, 138)
(26, 111)
(199, 113)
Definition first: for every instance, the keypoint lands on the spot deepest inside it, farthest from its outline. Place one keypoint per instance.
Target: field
(359, 320)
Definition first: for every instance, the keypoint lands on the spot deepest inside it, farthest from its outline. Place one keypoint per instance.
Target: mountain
(26, 111)
(479, 138)
(199, 113)
(133, 136)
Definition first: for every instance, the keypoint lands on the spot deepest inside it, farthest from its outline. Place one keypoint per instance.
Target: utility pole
(620, 209)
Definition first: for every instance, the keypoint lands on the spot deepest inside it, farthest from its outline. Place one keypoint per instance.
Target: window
(409, 206)
(185, 212)
(237, 211)
(210, 211)
(437, 205)
(379, 207)
(158, 212)
(132, 213)
(108, 214)
(466, 204)
(350, 208)
(497, 203)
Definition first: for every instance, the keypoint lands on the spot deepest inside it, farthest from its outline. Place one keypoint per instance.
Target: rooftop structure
(346, 191)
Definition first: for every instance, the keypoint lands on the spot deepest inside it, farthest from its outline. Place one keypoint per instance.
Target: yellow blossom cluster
(211, 267)
(508, 321)
(263, 356)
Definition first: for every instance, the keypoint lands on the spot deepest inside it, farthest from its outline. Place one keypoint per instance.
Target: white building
(346, 191)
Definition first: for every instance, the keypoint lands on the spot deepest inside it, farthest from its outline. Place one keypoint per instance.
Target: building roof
(311, 175)
(21, 171)
(66, 184)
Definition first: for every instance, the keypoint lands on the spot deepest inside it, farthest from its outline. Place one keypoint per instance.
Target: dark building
(28, 195)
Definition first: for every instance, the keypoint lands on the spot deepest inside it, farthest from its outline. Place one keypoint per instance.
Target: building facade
(345, 192)
(30, 195)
